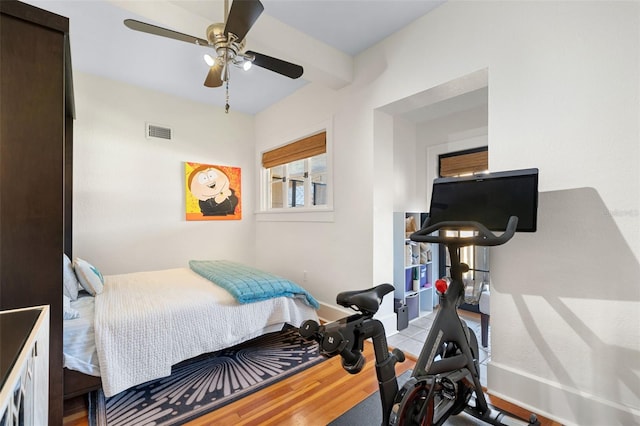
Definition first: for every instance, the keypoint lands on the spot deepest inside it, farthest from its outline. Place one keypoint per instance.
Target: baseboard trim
(558, 402)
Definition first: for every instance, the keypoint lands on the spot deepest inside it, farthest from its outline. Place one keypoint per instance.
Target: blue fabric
(247, 284)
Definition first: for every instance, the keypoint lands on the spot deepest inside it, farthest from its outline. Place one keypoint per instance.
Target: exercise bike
(446, 377)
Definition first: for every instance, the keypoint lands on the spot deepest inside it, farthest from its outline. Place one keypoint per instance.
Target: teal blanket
(247, 284)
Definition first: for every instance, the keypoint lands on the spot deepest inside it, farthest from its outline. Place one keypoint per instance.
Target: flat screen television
(489, 199)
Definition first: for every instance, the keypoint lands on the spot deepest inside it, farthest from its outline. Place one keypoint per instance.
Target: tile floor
(411, 339)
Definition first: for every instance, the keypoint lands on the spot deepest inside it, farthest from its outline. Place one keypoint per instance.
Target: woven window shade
(298, 150)
(456, 165)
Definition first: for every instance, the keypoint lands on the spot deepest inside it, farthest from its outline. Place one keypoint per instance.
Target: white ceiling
(321, 35)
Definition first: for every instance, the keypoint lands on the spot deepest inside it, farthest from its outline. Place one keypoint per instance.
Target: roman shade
(298, 150)
(464, 163)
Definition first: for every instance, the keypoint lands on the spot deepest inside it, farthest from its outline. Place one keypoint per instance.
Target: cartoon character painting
(213, 192)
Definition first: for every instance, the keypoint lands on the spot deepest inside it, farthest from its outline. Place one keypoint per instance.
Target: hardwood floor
(315, 396)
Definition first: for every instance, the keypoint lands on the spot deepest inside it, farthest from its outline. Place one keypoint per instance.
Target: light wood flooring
(315, 396)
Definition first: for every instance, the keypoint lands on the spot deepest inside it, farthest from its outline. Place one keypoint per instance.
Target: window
(465, 162)
(297, 174)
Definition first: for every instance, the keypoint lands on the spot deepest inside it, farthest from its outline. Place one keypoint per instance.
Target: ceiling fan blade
(242, 16)
(163, 32)
(214, 78)
(276, 65)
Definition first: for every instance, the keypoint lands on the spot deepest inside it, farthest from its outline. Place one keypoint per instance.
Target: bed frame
(76, 383)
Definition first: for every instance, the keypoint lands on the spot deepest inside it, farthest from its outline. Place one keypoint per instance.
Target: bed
(140, 324)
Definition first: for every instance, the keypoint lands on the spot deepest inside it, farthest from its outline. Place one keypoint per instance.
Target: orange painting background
(192, 207)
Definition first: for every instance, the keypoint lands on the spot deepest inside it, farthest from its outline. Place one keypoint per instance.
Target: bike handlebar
(484, 238)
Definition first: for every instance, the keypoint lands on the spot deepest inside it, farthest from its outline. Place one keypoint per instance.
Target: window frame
(321, 213)
(290, 181)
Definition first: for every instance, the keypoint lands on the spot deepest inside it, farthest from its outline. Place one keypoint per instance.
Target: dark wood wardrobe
(36, 133)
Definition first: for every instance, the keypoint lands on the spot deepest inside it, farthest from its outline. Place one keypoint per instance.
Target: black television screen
(489, 199)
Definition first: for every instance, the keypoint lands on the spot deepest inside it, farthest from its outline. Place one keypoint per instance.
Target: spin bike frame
(448, 328)
(346, 336)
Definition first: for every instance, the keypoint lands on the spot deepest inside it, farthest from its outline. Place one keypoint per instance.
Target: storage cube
(408, 279)
(423, 275)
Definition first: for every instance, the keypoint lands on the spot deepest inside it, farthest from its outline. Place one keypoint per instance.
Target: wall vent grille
(158, 132)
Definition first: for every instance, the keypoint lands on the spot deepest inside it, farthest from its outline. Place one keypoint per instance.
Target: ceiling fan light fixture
(228, 41)
(209, 60)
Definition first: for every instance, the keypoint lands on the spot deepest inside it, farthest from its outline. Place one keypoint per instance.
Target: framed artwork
(212, 192)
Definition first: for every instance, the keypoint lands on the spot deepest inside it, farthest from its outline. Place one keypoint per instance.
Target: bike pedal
(449, 389)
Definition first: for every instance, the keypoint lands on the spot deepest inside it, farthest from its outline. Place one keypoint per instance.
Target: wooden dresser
(36, 133)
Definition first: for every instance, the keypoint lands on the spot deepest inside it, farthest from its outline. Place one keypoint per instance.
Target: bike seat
(366, 301)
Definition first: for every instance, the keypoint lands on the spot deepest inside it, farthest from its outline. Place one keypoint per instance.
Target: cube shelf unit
(411, 261)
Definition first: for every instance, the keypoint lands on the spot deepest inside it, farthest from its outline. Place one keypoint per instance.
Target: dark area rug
(208, 382)
(369, 412)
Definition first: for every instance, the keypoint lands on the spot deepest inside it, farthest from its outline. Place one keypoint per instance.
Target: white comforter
(148, 321)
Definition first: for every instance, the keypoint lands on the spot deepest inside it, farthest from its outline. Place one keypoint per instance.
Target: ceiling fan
(228, 41)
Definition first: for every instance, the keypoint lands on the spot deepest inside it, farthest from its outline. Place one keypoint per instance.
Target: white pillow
(69, 280)
(68, 312)
(89, 276)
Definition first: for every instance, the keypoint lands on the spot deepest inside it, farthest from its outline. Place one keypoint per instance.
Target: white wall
(456, 132)
(563, 82)
(566, 326)
(333, 253)
(408, 166)
(129, 194)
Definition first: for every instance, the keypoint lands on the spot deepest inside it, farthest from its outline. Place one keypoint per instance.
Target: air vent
(158, 132)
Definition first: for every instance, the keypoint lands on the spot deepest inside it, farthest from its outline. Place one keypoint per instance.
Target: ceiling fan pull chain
(226, 105)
